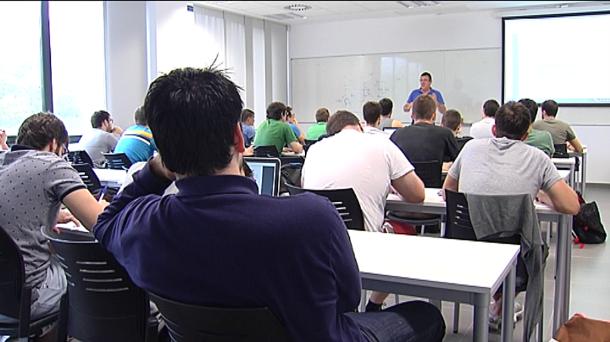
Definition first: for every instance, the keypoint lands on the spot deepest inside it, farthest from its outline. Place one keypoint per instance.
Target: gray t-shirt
(501, 166)
(32, 186)
(560, 131)
(96, 142)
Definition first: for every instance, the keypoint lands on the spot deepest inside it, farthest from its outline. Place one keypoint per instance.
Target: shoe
(495, 323)
(518, 311)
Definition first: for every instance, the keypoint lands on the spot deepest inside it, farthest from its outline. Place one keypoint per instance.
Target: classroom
(420, 126)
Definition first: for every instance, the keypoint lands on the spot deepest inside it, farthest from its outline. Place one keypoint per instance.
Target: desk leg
(481, 317)
(563, 248)
(583, 176)
(568, 274)
(508, 307)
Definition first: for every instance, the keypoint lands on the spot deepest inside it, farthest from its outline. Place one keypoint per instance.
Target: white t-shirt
(375, 131)
(366, 163)
(482, 129)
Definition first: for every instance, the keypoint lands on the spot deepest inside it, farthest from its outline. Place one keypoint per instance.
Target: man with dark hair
(137, 141)
(319, 129)
(453, 120)
(539, 139)
(425, 82)
(386, 114)
(291, 119)
(247, 126)
(560, 131)
(275, 131)
(371, 111)
(482, 129)
(423, 141)
(102, 138)
(46, 181)
(218, 215)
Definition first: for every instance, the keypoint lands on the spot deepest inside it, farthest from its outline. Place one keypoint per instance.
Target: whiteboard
(466, 78)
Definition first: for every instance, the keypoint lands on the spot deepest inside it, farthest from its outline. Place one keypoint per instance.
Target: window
(77, 62)
(20, 63)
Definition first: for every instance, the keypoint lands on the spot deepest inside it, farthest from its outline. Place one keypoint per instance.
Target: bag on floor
(587, 225)
(582, 329)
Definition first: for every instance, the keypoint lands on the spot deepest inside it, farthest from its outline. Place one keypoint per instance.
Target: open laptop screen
(266, 173)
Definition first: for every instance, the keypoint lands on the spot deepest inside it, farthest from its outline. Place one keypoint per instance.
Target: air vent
(416, 4)
(285, 16)
(297, 7)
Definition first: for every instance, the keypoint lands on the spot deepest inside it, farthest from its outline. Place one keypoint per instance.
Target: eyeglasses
(66, 150)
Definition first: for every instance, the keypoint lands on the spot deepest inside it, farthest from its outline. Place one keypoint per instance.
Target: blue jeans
(406, 322)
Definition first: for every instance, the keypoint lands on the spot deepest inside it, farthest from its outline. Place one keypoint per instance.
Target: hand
(159, 169)
(441, 193)
(65, 216)
(3, 137)
(116, 130)
(249, 151)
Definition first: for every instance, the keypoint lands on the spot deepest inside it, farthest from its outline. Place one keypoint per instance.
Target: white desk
(445, 269)
(110, 177)
(567, 164)
(434, 204)
(582, 174)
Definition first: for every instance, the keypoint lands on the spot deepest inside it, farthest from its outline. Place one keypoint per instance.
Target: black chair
(308, 144)
(193, 323)
(88, 176)
(79, 157)
(459, 226)
(103, 304)
(461, 141)
(267, 151)
(561, 151)
(430, 172)
(344, 200)
(117, 161)
(15, 296)
(74, 139)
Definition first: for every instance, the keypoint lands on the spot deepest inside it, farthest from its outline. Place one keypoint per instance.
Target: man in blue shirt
(425, 82)
(137, 141)
(247, 126)
(217, 242)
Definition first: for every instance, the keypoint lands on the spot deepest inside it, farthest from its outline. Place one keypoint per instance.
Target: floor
(590, 285)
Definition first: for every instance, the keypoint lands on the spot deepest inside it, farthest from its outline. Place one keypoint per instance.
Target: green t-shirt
(274, 132)
(542, 140)
(314, 132)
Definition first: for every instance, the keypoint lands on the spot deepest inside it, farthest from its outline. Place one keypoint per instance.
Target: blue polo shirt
(415, 93)
(218, 243)
(137, 143)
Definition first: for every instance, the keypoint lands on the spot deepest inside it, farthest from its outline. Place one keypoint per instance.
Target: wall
(441, 32)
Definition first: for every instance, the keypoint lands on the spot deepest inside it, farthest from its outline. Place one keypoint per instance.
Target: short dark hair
(340, 120)
(275, 110)
(386, 106)
(424, 107)
(512, 121)
(98, 118)
(140, 117)
(425, 73)
(550, 107)
(40, 129)
(490, 107)
(246, 114)
(322, 115)
(371, 112)
(452, 119)
(531, 106)
(193, 113)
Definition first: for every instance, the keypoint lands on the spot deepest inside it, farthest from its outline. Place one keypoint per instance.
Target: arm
(410, 187)
(397, 124)
(575, 143)
(450, 183)
(407, 107)
(296, 147)
(84, 207)
(3, 137)
(442, 108)
(562, 198)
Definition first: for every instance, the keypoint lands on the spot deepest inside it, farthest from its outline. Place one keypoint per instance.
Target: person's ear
(238, 139)
(493, 130)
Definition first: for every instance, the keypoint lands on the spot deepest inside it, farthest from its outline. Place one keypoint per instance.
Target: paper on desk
(71, 226)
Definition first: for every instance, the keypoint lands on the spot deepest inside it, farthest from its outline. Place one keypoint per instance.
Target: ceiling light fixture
(298, 7)
(412, 4)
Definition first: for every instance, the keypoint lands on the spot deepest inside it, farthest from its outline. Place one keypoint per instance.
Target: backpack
(587, 225)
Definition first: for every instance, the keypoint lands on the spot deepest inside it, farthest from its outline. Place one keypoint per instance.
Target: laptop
(266, 173)
(389, 130)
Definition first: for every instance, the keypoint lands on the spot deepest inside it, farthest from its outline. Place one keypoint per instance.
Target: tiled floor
(590, 285)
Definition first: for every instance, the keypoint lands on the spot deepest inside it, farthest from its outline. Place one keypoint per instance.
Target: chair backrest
(458, 225)
(12, 279)
(118, 161)
(192, 323)
(79, 157)
(267, 151)
(561, 151)
(88, 176)
(430, 172)
(103, 302)
(344, 200)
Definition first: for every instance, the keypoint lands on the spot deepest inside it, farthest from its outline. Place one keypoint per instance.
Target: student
(386, 114)
(453, 120)
(319, 129)
(560, 131)
(541, 140)
(3, 137)
(482, 129)
(46, 181)
(371, 111)
(102, 138)
(137, 141)
(214, 243)
(247, 126)
(275, 131)
(294, 125)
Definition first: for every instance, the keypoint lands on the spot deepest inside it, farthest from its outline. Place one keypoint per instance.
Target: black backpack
(587, 225)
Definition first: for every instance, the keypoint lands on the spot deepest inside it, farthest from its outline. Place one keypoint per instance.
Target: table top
(111, 175)
(564, 161)
(461, 265)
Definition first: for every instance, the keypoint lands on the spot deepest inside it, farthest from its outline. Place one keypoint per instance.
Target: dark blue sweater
(218, 243)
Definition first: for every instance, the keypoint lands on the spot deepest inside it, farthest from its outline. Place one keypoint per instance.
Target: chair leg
(456, 317)
(396, 298)
(362, 300)
(423, 229)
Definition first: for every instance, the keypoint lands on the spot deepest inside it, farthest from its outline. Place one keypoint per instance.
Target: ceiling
(316, 11)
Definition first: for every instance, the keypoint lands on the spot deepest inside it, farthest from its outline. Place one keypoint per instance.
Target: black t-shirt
(425, 142)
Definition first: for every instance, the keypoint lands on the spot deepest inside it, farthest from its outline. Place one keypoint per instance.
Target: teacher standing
(425, 82)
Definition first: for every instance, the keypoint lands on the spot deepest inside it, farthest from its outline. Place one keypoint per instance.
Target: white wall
(441, 32)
